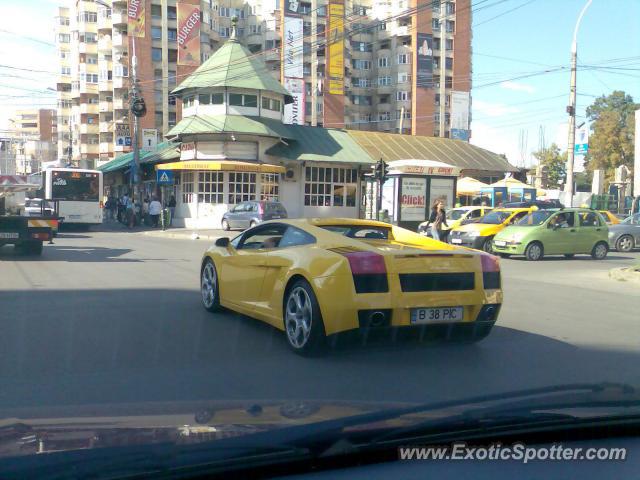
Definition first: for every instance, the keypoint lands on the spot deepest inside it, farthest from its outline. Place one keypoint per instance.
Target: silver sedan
(625, 236)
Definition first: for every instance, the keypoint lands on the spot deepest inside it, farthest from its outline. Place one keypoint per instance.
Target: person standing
(155, 209)
(172, 208)
(437, 219)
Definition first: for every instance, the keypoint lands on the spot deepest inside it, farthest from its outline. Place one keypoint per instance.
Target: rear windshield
(535, 218)
(359, 231)
(273, 207)
(495, 218)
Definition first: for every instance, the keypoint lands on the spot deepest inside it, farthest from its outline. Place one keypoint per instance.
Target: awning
(230, 166)
(469, 186)
(423, 167)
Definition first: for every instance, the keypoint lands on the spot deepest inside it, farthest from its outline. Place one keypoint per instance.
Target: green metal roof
(320, 144)
(232, 65)
(202, 124)
(390, 146)
(164, 152)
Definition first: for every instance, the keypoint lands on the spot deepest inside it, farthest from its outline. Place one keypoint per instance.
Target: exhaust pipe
(376, 319)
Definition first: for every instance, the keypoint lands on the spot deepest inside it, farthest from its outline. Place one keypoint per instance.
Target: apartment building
(385, 82)
(33, 139)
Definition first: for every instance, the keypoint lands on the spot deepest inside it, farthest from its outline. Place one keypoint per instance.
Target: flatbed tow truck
(27, 234)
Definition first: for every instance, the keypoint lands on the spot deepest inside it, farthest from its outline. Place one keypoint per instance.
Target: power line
(504, 13)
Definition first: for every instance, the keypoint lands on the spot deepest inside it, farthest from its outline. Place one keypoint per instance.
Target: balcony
(254, 39)
(106, 147)
(89, 129)
(120, 104)
(104, 44)
(105, 85)
(91, 48)
(105, 127)
(105, 106)
(118, 18)
(272, 55)
(402, 31)
(120, 41)
(86, 148)
(104, 23)
(89, 108)
(86, 87)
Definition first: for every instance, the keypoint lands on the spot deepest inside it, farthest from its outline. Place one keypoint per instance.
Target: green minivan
(567, 232)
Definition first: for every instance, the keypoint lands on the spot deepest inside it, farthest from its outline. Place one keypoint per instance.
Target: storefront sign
(336, 47)
(294, 112)
(293, 47)
(188, 34)
(413, 199)
(425, 60)
(429, 170)
(135, 18)
(188, 151)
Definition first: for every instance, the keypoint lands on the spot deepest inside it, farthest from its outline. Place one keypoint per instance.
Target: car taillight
(260, 208)
(490, 271)
(366, 263)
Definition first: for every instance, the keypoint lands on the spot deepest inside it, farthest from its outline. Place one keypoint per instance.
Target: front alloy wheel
(624, 243)
(209, 287)
(534, 251)
(302, 320)
(487, 245)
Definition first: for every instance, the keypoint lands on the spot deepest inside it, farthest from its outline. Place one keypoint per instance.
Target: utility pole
(571, 110)
(443, 67)
(314, 63)
(138, 109)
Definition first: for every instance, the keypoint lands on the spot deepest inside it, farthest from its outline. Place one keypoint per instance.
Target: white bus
(78, 191)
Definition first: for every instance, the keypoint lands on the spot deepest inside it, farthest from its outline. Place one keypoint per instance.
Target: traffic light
(138, 107)
(384, 171)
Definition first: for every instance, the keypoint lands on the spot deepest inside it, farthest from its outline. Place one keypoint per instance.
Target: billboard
(293, 47)
(294, 112)
(135, 18)
(460, 115)
(413, 199)
(425, 60)
(336, 48)
(188, 34)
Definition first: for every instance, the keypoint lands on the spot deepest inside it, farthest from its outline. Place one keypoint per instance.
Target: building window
(156, 33)
(403, 77)
(242, 187)
(403, 59)
(402, 96)
(88, 17)
(271, 104)
(435, 24)
(210, 187)
(172, 34)
(225, 31)
(172, 13)
(407, 114)
(204, 99)
(89, 37)
(384, 81)
(361, 99)
(384, 116)
(187, 187)
(156, 11)
(156, 54)
(448, 62)
(173, 55)
(449, 44)
(362, 82)
(269, 186)
(91, 59)
(65, 70)
(451, 26)
(362, 64)
(64, 38)
(241, 100)
(383, 62)
(330, 187)
(172, 119)
(225, 12)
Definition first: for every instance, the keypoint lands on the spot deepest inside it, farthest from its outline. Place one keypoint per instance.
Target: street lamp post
(571, 108)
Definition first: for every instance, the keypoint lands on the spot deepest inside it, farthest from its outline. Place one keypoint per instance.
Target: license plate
(500, 243)
(456, 240)
(275, 216)
(9, 235)
(437, 315)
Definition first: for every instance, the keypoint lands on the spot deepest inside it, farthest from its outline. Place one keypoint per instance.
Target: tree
(612, 130)
(554, 161)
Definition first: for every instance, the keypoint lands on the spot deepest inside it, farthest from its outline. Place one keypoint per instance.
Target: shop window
(269, 186)
(330, 187)
(210, 187)
(240, 100)
(242, 187)
(187, 187)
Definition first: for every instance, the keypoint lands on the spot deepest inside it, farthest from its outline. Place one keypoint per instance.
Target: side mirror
(222, 242)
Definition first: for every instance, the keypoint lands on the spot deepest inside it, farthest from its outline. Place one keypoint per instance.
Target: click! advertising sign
(413, 199)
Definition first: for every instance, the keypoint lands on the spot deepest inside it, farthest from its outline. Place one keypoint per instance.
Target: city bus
(77, 190)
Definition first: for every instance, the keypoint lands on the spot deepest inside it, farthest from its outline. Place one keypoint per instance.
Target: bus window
(75, 186)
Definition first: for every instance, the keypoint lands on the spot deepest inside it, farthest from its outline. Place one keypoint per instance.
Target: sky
(521, 55)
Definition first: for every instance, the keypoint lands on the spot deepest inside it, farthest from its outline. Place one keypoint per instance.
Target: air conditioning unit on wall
(289, 175)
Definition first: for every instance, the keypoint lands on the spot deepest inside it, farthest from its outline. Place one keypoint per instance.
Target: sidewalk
(173, 232)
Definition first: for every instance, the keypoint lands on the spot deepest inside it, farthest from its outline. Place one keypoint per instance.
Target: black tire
(569, 255)
(504, 255)
(209, 286)
(600, 250)
(314, 341)
(225, 225)
(625, 243)
(487, 245)
(534, 252)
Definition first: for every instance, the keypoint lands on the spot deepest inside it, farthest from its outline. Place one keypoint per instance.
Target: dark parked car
(541, 204)
(250, 214)
(625, 236)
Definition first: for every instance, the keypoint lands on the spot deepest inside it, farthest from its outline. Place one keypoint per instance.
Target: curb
(192, 235)
(625, 274)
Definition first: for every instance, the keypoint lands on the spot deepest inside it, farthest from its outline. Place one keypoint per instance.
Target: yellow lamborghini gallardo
(317, 277)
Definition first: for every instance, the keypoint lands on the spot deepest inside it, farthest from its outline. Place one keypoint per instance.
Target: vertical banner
(294, 112)
(336, 48)
(425, 60)
(188, 34)
(293, 47)
(135, 18)
(460, 115)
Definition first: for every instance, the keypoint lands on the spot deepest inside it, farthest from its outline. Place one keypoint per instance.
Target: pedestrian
(437, 219)
(146, 219)
(155, 209)
(172, 208)
(130, 214)
(110, 207)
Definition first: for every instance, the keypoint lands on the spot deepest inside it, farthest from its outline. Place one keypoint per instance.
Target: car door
(590, 228)
(233, 214)
(561, 234)
(242, 272)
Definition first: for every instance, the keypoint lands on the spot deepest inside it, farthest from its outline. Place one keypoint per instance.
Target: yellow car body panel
(486, 230)
(609, 217)
(255, 284)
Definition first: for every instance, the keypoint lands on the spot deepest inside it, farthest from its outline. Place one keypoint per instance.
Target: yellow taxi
(480, 234)
(609, 217)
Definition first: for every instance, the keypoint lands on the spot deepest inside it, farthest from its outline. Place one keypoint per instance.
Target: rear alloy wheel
(600, 251)
(225, 225)
(487, 245)
(303, 324)
(209, 286)
(624, 243)
(534, 251)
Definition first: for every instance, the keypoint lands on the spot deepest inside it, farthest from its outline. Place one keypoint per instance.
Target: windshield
(632, 220)
(495, 217)
(75, 186)
(456, 214)
(535, 218)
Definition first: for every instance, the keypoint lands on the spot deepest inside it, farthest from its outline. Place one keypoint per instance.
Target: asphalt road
(106, 317)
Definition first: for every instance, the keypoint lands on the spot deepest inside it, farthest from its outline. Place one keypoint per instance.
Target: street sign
(149, 139)
(123, 134)
(164, 177)
(582, 142)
